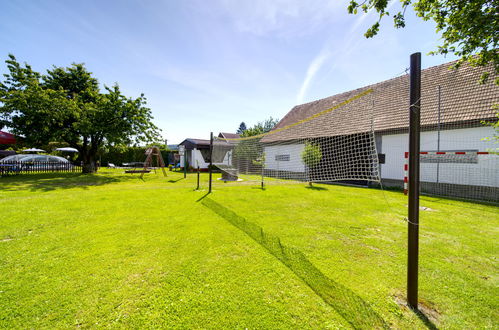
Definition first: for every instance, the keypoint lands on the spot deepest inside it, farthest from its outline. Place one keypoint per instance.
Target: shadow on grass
(173, 181)
(448, 200)
(316, 188)
(55, 181)
(424, 312)
(427, 322)
(202, 197)
(347, 303)
(438, 198)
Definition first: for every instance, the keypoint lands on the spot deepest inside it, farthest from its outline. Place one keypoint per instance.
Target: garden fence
(16, 167)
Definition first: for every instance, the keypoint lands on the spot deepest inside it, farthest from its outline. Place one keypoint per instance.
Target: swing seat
(137, 171)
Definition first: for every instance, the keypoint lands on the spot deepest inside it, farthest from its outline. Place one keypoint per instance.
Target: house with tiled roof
(454, 107)
(229, 135)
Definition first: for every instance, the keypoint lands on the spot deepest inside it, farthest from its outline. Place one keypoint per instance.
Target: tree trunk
(89, 165)
(308, 176)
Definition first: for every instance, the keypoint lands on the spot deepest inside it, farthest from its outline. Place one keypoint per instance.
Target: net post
(406, 169)
(263, 170)
(211, 160)
(185, 164)
(438, 129)
(198, 179)
(413, 199)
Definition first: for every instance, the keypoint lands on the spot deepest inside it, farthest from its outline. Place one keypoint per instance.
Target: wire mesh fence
(335, 144)
(458, 155)
(17, 167)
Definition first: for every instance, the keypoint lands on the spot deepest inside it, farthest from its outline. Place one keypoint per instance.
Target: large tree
(261, 127)
(250, 151)
(469, 28)
(67, 105)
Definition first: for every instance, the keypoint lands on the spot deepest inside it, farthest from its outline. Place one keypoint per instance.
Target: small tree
(495, 137)
(311, 157)
(241, 129)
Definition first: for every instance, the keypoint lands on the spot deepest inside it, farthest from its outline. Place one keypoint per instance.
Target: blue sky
(208, 65)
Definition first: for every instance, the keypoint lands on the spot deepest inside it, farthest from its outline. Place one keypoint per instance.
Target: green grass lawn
(111, 250)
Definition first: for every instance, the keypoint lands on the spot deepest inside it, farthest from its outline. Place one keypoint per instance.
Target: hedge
(132, 154)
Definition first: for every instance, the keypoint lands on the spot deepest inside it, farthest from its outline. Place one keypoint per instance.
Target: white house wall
(195, 158)
(227, 161)
(294, 151)
(483, 173)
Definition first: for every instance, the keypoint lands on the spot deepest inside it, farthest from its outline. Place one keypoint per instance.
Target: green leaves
(311, 154)
(261, 127)
(352, 7)
(67, 105)
(372, 31)
(469, 29)
(495, 137)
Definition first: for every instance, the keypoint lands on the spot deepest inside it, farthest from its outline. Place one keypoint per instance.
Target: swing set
(150, 153)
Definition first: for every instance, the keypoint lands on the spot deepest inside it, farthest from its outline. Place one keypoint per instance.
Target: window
(282, 158)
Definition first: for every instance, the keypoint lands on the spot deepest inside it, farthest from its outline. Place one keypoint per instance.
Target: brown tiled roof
(462, 99)
(229, 135)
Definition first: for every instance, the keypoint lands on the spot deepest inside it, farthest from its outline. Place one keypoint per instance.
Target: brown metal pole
(185, 164)
(414, 150)
(211, 160)
(198, 179)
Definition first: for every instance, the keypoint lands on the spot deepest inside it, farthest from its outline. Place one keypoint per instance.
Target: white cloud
(312, 70)
(347, 44)
(283, 18)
